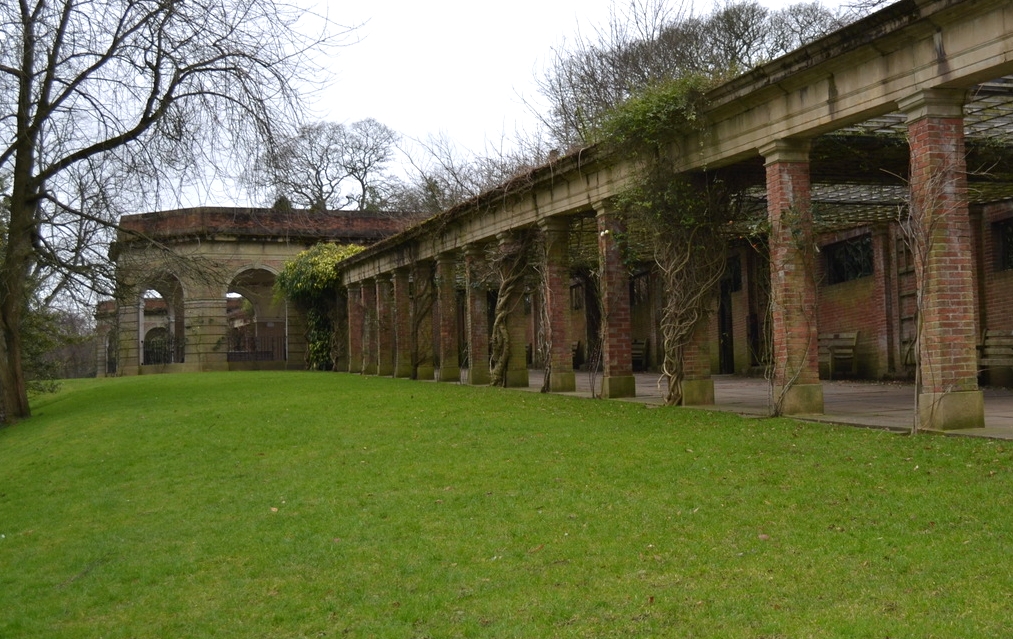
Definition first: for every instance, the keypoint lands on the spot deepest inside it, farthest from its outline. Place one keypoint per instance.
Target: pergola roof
(859, 173)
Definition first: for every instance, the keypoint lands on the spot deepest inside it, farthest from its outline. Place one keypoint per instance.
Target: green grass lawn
(330, 505)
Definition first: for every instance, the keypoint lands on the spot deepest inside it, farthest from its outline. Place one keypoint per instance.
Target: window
(731, 282)
(849, 260)
(640, 289)
(576, 297)
(1003, 233)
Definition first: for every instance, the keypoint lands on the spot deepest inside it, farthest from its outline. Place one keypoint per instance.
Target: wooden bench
(836, 349)
(996, 348)
(639, 351)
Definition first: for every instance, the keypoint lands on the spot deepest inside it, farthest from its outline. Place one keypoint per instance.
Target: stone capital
(554, 224)
(937, 103)
(786, 150)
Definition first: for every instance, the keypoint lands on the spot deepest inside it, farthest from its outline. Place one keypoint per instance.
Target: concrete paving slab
(889, 405)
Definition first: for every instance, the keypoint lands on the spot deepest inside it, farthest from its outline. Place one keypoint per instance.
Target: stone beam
(832, 84)
(864, 70)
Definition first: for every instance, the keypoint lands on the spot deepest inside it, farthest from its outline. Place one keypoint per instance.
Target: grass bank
(313, 505)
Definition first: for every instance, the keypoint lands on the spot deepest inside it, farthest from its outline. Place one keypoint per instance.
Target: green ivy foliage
(653, 117)
(310, 280)
(313, 274)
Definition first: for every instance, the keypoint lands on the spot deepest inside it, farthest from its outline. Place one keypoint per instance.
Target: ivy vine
(310, 281)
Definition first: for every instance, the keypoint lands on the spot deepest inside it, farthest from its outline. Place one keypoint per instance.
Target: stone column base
(385, 370)
(517, 379)
(403, 369)
(449, 374)
(426, 373)
(801, 399)
(698, 392)
(478, 376)
(951, 411)
(619, 386)
(562, 382)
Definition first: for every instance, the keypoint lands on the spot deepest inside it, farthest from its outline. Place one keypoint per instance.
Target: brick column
(944, 261)
(340, 331)
(617, 353)
(476, 314)
(422, 320)
(355, 321)
(517, 364)
(402, 328)
(797, 387)
(697, 383)
(556, 297)
(384, 325)
(450, 370)
(369, 327)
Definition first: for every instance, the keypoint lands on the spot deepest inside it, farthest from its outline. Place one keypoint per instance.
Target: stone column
(130, 317)
(556, 297)
(384, 325)
(355, 322)
(402, 323)
(944, 263)
(795, 333)
(369, 327)
(422, 320)
(476, 315)
(617, 346)
(517, 363)
(207, 344)
(450, 369)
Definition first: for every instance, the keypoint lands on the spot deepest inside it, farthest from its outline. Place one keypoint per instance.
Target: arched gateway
(195, 287)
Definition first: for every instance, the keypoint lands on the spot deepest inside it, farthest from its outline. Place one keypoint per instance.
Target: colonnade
(391, 315)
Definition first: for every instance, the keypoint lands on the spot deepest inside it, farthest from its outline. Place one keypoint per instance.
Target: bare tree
(651, 41)
(107, 104)
(368, 147)
(306, 168)
(442, 175)
(313, 167)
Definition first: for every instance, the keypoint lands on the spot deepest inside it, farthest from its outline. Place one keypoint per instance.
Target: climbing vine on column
(510, 262)
(677, 219)
(310, 281)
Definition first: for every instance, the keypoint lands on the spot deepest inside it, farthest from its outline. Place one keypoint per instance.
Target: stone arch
(258, 321)
(161, 320)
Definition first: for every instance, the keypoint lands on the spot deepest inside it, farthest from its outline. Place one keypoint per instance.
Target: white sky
(458, 67)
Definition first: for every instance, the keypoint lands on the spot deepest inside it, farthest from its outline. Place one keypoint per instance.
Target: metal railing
(162, 351)
(258, 349)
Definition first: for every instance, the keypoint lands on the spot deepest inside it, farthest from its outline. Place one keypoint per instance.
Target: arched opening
(161, 321)
(258, 326)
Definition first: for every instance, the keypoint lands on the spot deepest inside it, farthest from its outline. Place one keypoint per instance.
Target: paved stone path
(873, 404)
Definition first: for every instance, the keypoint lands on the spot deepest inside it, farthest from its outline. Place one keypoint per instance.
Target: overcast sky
(460, 68)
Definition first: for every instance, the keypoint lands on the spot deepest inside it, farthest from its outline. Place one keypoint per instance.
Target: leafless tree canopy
(106, 105)
(650, 41)
(314, 167)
